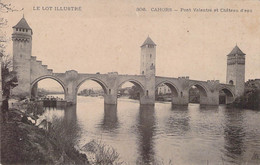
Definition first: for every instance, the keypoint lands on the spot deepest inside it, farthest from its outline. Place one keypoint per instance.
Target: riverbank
(250, 100)
(24, 143)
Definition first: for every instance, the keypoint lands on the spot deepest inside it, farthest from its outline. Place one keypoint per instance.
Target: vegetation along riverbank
(251, 97)
(23, 142)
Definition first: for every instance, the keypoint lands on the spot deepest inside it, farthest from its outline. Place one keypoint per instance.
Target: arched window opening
(147, 92)
(109, 91)
(142, 72)
(231, 82)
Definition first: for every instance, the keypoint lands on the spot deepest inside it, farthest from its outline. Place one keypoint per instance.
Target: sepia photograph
(125, 82)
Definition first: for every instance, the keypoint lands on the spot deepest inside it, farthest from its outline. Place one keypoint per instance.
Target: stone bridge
(111, 82)
(30, 71)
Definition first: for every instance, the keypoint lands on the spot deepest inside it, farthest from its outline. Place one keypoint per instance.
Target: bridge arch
(202, 89)
(137, 83)
(227, 91)
(100, 82)
(171, 85)
(49, 77)
(230, 96)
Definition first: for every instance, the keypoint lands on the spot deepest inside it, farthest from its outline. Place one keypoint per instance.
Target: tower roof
(235, 51)
(148, 41)
(22, 24)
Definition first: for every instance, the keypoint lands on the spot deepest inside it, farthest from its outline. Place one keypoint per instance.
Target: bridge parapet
(33, 58)
(184, 81)
(112, 73)
(229, 85)
(213, 81)
(213, 85)
(38, 69)
(71, 75)
(184, 78)
(50, 71)
(39, 62)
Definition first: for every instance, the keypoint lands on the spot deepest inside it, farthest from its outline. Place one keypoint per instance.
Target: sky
(106, 36)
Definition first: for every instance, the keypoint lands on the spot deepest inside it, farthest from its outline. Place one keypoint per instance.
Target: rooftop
(22, 24)
(148, 41)
(235, 51)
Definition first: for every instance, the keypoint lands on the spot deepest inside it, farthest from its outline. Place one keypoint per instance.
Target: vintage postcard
(130, 82)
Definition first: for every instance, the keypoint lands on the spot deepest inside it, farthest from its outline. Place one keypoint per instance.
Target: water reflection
(177, 123)
(66, 125)
(179, 107)
(208, 110)
(206, 107)
(110, 120)
(234, 135)
(146, 132)
(70, 115)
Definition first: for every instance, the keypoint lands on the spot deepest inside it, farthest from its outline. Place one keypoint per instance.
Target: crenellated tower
(148, 57)
(147, 68)
(22, 51)
(236, 70)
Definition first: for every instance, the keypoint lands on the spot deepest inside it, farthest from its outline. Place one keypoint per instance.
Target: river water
(163, 134)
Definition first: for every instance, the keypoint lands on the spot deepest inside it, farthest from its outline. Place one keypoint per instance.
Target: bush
(107, 155)
(65, 139)
(249, 100)
(103, 153)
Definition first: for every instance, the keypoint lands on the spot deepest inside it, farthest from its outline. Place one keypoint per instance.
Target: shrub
(103, 153)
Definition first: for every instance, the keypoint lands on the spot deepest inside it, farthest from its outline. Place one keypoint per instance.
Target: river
(149, 135)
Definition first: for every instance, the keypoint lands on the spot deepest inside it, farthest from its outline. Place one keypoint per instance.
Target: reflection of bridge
(30, 72)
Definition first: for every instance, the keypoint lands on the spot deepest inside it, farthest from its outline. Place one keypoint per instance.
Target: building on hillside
(91, 92)
(163, 89)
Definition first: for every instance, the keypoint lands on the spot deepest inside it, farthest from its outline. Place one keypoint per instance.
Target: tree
(250, 99)
(4, 8)
(9, 81)
(134, 93)
(8, 77)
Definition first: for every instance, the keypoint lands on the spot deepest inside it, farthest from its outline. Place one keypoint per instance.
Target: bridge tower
(147, 68)
(22, 50)
(148, 55)
(236, 70)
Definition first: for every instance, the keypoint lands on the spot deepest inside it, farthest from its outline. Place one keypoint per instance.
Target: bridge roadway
(147, 85)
